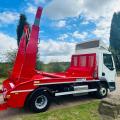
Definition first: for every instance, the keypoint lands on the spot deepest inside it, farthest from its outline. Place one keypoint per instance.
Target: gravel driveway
(15, 114)
(117, 91)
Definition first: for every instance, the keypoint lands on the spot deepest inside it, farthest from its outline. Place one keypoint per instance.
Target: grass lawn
(85, 111)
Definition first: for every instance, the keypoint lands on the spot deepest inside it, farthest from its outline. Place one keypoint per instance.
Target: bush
(5, 68)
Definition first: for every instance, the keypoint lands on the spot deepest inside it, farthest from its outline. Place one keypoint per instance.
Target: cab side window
(107, 59)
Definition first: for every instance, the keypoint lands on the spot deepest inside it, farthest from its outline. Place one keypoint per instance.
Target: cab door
(108, 70)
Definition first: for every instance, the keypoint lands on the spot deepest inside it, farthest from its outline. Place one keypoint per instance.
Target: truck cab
(104, 66)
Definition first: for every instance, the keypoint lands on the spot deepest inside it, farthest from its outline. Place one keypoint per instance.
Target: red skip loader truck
(91, 70)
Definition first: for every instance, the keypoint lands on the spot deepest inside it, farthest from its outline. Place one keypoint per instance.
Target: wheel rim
(103, 91)
(41, 102)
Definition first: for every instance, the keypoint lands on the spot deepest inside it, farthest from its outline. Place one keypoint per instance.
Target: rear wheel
(39, 101)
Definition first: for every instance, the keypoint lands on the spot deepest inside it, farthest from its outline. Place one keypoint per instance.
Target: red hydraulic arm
(28, 68)
(24, 66)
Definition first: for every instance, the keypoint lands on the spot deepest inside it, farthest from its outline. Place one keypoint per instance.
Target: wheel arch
(40, 88)
(104, 82)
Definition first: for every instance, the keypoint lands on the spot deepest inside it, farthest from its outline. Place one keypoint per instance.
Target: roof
(91, 44)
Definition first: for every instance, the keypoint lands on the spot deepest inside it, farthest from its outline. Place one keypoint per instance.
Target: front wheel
(39, 102)
(102, 91)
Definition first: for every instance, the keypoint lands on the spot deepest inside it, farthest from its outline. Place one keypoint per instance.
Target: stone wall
(109, 108)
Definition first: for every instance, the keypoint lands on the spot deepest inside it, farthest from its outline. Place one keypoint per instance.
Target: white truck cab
(105, 63)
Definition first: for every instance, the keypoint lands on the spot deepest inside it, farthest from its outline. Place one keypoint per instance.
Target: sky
(63, 24)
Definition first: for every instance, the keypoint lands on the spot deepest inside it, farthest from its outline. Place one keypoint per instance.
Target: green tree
(39, 64)
(57, 66)
(115, 39)
(11, 55)
(20, 27)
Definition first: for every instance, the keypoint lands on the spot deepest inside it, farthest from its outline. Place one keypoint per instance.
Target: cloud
(78, 35)
(61, 24)
(31, 9)
(8, 17)
(49, 50)
(102, 35)
(59, 9)
(95, 9)
(85, 22)
(63, 37)
(39, 1)
(102, 30)
(48, 59)
(7, 43)
(55, 50)
(91, 10)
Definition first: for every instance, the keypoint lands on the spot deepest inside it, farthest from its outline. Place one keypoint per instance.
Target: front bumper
(112, 86)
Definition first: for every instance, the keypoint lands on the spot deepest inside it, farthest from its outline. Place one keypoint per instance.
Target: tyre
(39, 101)
(102, 91)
